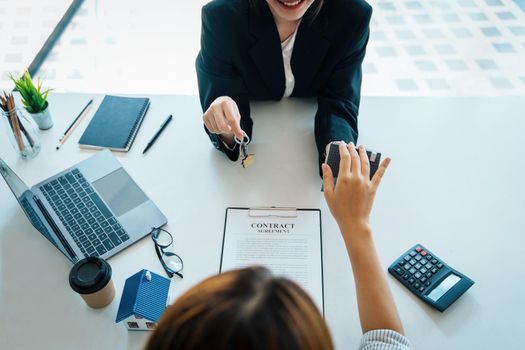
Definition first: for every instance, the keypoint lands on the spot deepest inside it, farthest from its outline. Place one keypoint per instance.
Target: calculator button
(413, 253)
(423, 270)
(412, 262)
(418, 249)
(406, 276)
(423, 261)
(440, 265)
(434, 270)
(412, 271)
(418, 257)
(407, 266)
(423, 280)
(428, 283)
(399, 271)
(428, 256)
(411, 280)
(407, 257)
(428, 265)
(418, 266)
(421, 289)
(434, 261)
(428, 275)
(423, 253)
(417, 285)
(417, 275)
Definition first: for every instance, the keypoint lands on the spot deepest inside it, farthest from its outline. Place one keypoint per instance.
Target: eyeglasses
(171, 262)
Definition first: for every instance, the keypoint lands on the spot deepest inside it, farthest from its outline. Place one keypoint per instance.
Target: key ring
(247, 158)
(245, 139)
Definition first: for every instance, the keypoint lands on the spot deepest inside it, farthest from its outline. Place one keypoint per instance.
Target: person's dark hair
(242, 309)
(317, 5)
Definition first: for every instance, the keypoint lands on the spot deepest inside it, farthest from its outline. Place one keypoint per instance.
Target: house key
(247, 158)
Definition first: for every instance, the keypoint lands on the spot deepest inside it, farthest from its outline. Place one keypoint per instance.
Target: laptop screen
(17, 186)
(26, 200)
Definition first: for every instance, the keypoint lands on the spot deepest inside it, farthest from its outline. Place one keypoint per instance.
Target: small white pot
(43, 119)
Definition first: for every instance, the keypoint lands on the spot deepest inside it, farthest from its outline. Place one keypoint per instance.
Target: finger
(236, 109)
(344, 165)
(211, 125)
(220, 121)
(232, 118)
(365, 163)
(356, 164)
(328, 181)
(376, 180)
(207, 123)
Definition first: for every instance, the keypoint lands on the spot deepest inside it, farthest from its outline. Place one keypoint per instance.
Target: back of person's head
(242, 309)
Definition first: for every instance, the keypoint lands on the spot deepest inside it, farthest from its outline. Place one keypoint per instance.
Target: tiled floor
(417, 47)
(126, 46)
(444, 48)
(24, 27)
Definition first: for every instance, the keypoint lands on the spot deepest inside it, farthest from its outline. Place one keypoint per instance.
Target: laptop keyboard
(92, 226)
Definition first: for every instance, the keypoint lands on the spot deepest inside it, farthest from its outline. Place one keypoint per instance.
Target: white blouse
(384, 339)
(287, 48)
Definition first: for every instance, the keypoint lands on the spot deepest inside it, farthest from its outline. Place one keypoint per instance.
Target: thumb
(237, 131)
(328, 181)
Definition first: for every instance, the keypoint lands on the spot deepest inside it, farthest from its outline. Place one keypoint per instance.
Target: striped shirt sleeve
(384, 339)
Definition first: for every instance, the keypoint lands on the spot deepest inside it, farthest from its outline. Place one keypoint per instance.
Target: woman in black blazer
(241, 59)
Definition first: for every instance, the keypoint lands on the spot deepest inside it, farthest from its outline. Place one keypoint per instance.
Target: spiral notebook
(115, 124)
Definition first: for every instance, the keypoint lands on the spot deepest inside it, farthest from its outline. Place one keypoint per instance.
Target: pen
(72, 126)
(154, 138)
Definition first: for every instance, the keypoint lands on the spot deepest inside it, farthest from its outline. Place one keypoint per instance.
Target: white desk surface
(455, 185)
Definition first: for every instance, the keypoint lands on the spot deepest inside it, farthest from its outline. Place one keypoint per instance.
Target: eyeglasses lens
(172, 261)
(162, 238)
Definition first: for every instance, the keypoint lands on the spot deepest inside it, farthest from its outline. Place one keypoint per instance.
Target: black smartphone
(333, 158)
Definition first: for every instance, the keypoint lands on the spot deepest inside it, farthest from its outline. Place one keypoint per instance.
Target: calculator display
(443, 287)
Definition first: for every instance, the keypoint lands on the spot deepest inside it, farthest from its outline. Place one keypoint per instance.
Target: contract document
(287, 241)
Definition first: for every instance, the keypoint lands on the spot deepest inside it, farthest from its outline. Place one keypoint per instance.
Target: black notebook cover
(115, 123)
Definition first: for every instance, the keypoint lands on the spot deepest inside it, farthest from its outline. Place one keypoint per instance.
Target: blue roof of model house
(143, 297)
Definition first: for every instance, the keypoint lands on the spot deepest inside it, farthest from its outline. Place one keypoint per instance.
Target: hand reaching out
(350, 200)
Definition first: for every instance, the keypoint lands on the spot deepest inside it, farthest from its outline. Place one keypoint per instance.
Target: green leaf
(34, 99)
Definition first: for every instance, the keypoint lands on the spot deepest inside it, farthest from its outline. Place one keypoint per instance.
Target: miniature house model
(143, 301)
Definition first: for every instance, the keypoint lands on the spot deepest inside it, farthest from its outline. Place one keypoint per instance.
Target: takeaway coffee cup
(91, 278)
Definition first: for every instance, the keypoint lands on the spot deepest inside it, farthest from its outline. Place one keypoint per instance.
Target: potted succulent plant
(34, 100)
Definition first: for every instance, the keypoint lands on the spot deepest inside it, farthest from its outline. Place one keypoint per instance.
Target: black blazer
(241, 57)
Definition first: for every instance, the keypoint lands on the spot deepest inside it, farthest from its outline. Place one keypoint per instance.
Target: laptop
(91, 209)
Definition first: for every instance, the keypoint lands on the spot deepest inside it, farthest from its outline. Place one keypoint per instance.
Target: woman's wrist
(357, 235)
(351, 226)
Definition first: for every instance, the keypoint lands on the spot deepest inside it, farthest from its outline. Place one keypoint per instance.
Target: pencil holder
(21, 133)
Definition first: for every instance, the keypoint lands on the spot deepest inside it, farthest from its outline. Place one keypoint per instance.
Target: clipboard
(241, 224)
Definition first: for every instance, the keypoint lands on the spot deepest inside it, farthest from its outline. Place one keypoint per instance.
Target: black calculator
(429, 278)
(333, 158)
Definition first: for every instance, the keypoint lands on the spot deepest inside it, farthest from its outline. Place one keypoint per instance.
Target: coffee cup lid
(89, 275)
